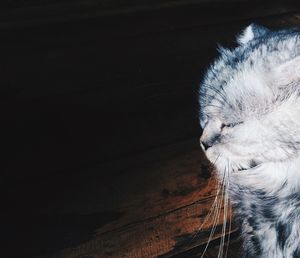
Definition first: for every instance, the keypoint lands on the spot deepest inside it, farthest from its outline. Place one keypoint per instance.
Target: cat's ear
(288, 72)
(251, 32)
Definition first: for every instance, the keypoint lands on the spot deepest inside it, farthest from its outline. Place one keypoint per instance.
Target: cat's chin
(219, 161)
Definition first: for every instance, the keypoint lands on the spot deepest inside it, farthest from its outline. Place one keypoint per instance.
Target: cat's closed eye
(250, 102)
(230, 125)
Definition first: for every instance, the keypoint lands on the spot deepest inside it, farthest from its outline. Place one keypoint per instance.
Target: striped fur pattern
(250, 115)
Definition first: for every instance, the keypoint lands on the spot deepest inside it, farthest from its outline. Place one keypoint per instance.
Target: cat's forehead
(230, 87)
(237, 83)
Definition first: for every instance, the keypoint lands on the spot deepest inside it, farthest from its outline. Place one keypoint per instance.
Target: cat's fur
(250, 115)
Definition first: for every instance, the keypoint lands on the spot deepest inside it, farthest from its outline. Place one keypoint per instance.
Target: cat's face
(249, 101)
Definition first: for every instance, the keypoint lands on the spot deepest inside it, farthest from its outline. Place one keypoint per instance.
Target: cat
(250, 115)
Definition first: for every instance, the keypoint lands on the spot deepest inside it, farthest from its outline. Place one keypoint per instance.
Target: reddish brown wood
(165, 204)
(142, 205)
(168, 196)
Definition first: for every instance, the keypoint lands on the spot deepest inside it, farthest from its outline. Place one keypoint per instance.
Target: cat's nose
(207, 142)
(205, 145)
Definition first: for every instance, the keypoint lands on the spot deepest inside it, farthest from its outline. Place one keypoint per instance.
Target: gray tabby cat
(250, 115)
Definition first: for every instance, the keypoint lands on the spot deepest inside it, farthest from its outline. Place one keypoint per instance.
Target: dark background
(87, 83)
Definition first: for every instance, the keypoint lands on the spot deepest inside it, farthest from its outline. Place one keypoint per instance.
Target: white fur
(246, 36)
(260, 95)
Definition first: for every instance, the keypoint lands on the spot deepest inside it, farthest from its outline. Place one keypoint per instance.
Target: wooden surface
(100, 119)
(130, 80)
(167, 201)
(24, 14)
(149, 205)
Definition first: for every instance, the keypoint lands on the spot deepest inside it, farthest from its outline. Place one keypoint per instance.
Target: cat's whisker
(215, 218)
(228, 207)
(228, 215)
(225, 209)
(217, 97)
(211, 213)
(217, 91)
(250, 114)
(213, 207)
(215, 106)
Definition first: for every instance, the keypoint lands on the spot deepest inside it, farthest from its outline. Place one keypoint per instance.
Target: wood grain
(102, 118)
(20, 14)
(165, 205)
